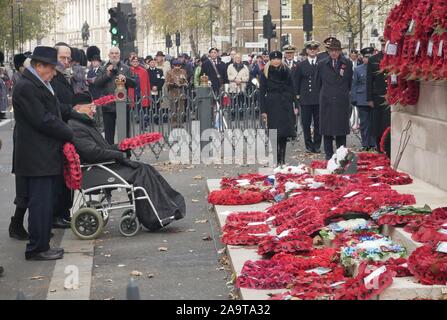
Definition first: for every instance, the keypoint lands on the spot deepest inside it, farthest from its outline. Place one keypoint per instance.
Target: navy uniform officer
(307, 93)
(289, 57)
(39, 135)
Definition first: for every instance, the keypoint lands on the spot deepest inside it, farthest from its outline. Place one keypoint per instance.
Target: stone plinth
(426, 153)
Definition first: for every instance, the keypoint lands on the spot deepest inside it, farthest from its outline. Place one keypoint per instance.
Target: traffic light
(132, 27)
(284, 41)
(307, 18)
(168, 41)
(273, 30)
(269, 27)
(177, 38)
(115, 25)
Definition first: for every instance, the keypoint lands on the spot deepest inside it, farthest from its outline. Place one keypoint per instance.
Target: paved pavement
(188, 269)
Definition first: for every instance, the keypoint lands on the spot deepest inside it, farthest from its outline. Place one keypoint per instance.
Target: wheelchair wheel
(129, 225)
(87, 224)
(97, 204)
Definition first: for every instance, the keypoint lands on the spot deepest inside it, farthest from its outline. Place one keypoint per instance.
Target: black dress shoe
(61, 223)
(317, 150)
(58, 250)
(44, 256)
(17, 231)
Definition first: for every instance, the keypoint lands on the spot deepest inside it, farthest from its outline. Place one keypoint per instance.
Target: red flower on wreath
(72, 167)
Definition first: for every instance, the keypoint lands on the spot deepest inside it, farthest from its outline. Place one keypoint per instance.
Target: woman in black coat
(276, 98)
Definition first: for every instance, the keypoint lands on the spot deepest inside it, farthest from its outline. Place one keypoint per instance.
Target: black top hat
(45, 54)
(367, 52)
(148, 58)
(19, 59)
(81, 98)
(275, 55)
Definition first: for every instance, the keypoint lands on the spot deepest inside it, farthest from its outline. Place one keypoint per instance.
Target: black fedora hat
(45, 54)
(334, 45)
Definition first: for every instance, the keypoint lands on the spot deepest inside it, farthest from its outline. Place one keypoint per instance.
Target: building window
(263, 7)
(286, 9)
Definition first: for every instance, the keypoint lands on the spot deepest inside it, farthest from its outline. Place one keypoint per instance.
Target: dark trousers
(109, 126)
(64, 200)
(307, 114)
(329, 145)
(41, 193)
(365, 116)
(281, 150)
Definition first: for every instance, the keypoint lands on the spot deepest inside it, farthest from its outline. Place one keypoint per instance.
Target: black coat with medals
(335, 101)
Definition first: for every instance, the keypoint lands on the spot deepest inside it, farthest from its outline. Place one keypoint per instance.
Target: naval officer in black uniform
(308, 94)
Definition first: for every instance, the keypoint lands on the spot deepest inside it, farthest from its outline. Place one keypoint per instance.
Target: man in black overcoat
(40, 133)
(334, 80)
(307, 93)
(376, 88)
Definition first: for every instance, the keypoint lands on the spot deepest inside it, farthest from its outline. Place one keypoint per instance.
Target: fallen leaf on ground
(194, 200)
(109, 280)
(191, 230)
(136, 273)
(121, 265)
(162, 249)
(198, 178)
(37, 278)
(107, 255)
(202, 221)
(150, 275)
(53, 290)
(207, 238)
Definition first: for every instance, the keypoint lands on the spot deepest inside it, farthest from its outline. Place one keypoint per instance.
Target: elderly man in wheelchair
(150, 200)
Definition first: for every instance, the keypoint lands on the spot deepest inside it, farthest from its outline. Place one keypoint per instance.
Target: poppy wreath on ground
(357, 289)
(314, 287)
(428, 265)
(242, 239)
(428, 229)
(140, 141)
(400, 266)
(398, 216)
(227, 182)
(232, 197)
(252, 228)
(294, 244)
(247, 217)
(104, 100)
(284, 269)
(72, 167)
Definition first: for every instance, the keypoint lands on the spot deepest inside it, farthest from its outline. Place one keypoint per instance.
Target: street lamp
(350, 37)
(13, 40)
(19, 3)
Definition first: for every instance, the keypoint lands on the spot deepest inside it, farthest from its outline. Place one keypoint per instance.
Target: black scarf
(238, 66)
